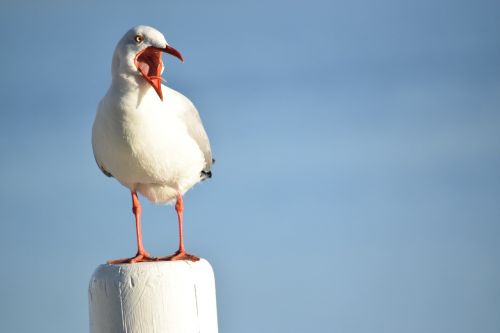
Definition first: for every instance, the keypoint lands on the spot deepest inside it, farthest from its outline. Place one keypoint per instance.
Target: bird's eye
(139, 38)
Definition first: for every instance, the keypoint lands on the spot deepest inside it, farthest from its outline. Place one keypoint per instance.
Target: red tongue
(149, 63)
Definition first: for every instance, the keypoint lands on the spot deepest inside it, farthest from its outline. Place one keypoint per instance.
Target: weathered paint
(153, 297)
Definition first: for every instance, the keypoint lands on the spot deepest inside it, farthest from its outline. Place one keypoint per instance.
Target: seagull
(148, 136)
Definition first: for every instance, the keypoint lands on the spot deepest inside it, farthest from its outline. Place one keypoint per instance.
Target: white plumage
(146, 135)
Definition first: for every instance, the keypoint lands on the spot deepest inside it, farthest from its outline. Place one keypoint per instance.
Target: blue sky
(357, 182)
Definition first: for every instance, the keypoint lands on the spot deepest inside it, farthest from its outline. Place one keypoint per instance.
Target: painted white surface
(159, 297)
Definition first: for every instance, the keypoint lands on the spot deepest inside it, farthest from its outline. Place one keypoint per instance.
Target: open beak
(149, 64)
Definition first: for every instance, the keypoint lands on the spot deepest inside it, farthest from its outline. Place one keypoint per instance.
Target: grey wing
(196, 130)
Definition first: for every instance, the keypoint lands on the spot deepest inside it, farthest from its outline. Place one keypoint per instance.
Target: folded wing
(195, 128)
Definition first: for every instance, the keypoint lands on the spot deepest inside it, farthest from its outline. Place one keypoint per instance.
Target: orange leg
(141, 255)
(181, 253)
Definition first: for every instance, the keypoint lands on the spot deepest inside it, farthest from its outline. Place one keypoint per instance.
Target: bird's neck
(128, 84)
(130, 88)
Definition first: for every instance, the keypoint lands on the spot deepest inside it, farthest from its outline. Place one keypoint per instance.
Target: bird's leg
(181, 253)
(137, 210)
(141, 255)
(179, 208)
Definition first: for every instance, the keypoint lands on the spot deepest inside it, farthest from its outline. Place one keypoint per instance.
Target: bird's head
(139, 53)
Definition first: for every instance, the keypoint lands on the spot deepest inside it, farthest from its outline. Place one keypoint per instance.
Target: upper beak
(170, 50)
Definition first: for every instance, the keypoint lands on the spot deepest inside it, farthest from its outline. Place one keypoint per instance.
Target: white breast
(146, 145)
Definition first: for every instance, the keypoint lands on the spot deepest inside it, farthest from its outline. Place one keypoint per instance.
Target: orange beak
(149, 64)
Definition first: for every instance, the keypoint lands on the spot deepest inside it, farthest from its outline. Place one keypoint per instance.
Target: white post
(163, 297)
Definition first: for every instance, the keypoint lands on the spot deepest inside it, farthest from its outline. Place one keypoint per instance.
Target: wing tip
(206, 174)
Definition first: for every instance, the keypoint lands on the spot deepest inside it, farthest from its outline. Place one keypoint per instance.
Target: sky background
(357, 183)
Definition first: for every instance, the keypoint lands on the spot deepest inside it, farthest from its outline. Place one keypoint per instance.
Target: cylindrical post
(165, 296)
